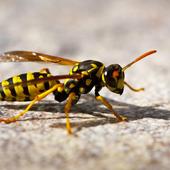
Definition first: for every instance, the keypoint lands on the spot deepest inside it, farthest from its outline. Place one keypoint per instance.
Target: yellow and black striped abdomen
(25, 92)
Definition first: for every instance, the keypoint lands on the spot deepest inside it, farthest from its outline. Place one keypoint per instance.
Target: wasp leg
(120, 118)
(133, 89)
(67, 109)
(36, 99)
(45, 70)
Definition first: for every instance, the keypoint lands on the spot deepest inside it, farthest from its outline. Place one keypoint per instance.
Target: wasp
(34, 86)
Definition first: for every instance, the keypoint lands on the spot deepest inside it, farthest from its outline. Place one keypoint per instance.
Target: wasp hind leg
(134, 89)
(36, 99)
(119, 117)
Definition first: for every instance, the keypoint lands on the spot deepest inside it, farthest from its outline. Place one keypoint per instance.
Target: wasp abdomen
(26, 91)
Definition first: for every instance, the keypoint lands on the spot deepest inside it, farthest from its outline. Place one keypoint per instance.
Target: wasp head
(113, 78)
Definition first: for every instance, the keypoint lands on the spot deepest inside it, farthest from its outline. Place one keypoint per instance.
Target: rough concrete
(109, 31)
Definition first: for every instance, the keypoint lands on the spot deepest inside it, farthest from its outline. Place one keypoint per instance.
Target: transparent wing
(30, 56)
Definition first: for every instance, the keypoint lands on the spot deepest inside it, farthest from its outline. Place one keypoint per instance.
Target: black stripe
(12, 89)
(2, 92)
(25, 88)
(44, 75)
(36, 77)
(27, 98)
(46, 85)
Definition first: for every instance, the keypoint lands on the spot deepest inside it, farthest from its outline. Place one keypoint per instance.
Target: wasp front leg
(119, 117)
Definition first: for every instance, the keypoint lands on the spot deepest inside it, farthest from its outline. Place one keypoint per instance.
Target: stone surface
(109, 31)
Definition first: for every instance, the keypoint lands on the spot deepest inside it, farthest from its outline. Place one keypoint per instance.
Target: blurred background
(110, 31)
(107, 30)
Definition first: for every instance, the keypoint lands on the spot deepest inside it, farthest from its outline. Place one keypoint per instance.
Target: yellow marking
(4, 83)
(100, 71)
(94, 66)
(33, 90)
(40, 86)
(52, 82)
(75, 68)
(103, 78)
(88, 82)
(71, 85)
(18, 89)
(60, 89)
(85, 73)
(66, 80)
(81, 89)
(48, 75)
(16, 79)
(71, 72)
(6, 90)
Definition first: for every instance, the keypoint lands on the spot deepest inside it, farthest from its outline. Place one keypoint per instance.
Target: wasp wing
(43, 80)
(30, 56)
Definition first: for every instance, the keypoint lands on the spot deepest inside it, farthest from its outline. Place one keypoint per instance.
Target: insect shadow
(98, 114)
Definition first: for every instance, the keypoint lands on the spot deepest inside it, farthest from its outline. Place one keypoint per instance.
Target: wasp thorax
(113, 78)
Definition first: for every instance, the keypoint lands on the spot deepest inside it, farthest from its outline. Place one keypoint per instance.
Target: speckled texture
(109, 31)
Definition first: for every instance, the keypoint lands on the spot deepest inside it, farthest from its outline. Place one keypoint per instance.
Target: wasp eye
(115, 73)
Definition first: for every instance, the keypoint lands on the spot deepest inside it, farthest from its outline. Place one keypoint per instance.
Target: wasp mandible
(34, 86)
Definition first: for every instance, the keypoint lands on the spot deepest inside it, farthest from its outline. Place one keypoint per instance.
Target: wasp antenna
(139, 58)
